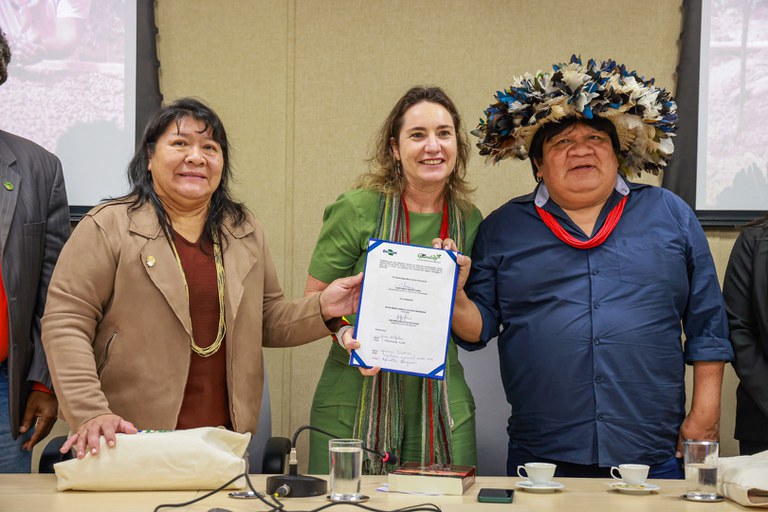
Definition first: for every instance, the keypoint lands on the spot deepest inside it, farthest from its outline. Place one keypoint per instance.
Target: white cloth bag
(199, 458)
(744, 479)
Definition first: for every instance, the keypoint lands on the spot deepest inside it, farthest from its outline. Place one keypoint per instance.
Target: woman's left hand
(349, 344)
(341, 297)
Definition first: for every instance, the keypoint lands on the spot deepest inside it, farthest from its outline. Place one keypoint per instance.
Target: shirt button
(596, 305)
(598, 378)
(595, 272)
(596, 341)
(599, 417)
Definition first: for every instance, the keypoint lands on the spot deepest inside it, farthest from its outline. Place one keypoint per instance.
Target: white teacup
(631, 474)
(540, 473)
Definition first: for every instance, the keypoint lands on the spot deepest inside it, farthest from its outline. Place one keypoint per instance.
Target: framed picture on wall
(720, 165)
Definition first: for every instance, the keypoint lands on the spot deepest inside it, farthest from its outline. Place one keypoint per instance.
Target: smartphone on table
(487, 495)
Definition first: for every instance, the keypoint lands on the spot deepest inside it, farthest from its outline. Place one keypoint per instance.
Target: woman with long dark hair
(162, 300)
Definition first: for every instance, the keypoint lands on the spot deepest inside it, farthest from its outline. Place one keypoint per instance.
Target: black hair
(222, 205)
(5, 57)
(760, 221)
(551, 130)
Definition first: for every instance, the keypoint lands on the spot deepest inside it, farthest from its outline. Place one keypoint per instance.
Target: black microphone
(294, 485)
(388, 457)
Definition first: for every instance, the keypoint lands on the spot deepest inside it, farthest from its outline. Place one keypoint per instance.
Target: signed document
(406, 304)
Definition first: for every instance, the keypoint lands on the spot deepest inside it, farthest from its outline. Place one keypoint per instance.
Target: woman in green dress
(415, 192)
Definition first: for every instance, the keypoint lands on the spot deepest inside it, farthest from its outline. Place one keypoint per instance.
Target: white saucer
(529, 486)
(645, 488)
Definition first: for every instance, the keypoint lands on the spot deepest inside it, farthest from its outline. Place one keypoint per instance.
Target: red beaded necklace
(610, 223)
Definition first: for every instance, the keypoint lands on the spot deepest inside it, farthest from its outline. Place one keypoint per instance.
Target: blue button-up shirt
(590, 345)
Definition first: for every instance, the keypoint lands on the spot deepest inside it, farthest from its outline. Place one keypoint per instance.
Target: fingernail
(93, 451)
(111, 444)
(80, 455)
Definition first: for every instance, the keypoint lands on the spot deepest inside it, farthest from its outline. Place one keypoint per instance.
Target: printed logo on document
(435, 258)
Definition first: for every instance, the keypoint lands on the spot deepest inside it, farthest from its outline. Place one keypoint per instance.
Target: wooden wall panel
(302, 86)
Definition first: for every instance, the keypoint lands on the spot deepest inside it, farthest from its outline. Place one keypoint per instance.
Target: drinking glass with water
(701, 470)
(346, 466)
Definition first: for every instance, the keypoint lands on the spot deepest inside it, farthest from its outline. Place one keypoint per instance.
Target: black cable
(256, 493)
(424, 507)
(385, 456)
(421, 507)
(201, 498)
(308, 427)
(278, 506)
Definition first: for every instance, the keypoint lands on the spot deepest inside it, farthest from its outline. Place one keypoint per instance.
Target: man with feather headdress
(587, 280)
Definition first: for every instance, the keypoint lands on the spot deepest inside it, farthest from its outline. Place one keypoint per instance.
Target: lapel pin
(150, 261)
(8, 185)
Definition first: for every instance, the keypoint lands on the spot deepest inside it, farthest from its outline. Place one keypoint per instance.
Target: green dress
(340, 251)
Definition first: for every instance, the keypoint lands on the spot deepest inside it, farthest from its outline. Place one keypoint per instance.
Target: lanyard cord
(444, 233)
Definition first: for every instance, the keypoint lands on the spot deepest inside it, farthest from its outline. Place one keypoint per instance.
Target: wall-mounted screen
(721, 163)
(82, 78)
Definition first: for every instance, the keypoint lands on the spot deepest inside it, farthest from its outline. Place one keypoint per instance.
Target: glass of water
(346, 466)
(701, 470)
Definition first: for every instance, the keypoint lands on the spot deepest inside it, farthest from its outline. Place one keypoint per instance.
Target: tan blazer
(117, 327)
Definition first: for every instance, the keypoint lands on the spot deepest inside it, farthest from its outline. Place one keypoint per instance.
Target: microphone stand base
(301, 486)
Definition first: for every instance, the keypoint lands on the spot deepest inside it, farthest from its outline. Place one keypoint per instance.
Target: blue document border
(439, 372)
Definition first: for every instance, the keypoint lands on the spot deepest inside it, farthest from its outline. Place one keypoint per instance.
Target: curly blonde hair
(383, 174)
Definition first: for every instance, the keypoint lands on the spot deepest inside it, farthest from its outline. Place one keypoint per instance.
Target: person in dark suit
(746, 300)
(34, 224)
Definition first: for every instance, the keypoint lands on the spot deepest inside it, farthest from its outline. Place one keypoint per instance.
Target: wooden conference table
(27, 493)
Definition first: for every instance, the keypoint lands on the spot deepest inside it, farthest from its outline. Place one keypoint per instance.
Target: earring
(399, 168)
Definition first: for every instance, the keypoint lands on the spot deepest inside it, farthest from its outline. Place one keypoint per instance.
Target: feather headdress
(644, 115)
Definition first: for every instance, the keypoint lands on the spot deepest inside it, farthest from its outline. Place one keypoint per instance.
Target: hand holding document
(406, 304)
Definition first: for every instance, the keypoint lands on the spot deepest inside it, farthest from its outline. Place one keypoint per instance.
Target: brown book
(434, 479)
